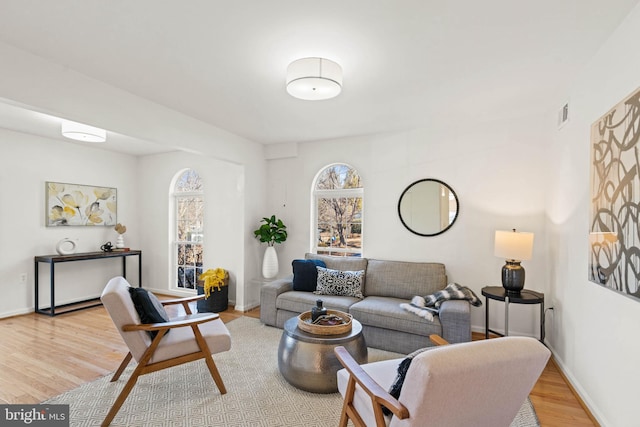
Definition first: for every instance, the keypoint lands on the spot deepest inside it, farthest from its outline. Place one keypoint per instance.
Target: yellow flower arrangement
(213, 279)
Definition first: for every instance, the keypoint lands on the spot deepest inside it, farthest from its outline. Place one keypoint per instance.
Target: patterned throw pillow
(343, 283)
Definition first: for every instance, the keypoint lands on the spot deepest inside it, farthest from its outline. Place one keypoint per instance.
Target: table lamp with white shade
(514, 247)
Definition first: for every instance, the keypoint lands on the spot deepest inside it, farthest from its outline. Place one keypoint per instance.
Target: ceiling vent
(563, 115)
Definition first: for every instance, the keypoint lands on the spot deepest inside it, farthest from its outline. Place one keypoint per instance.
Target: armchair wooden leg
(140, 369)
(215, 374)
(344, 418)
(213, 369)
(122, 396)
(122, 367)
(347, 407)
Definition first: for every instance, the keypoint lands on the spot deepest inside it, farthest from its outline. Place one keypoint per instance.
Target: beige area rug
(257, 395)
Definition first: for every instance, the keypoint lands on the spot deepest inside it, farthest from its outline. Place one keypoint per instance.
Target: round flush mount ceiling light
(314, 79)
(82, 132)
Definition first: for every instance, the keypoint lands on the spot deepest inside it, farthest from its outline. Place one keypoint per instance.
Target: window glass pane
(181, 277)
(338, 211)
(339, 222)
(338, 177)
(189, 181)
(190, 214)
(189, 229)
(189, 265)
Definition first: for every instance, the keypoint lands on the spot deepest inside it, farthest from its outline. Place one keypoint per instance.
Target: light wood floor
(41, 357)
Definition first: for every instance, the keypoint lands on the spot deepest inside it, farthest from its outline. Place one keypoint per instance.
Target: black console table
(52, 260)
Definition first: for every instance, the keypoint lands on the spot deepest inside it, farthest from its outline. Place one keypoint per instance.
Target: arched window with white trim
(188, 229)
(337, 207)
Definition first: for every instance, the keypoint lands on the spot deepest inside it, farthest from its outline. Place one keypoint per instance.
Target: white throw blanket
(418, 306)
(429, 305)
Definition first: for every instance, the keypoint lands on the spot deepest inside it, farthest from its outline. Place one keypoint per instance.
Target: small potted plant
(214, 284)
(271, 232)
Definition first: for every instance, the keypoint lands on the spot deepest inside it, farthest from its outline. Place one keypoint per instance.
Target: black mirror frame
(441, 183)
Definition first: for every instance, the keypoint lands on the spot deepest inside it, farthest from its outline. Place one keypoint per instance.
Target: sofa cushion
(305, 275)
(343, 283)
(400, 279)
(386, 313)
(299, 302)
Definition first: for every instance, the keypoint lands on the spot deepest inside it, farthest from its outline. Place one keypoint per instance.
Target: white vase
(270, 263)
(66, 246)
(120, 242)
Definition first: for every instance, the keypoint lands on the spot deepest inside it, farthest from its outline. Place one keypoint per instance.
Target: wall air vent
(563, 115)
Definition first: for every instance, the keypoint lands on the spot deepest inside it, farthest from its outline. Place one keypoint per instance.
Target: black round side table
(525, 296)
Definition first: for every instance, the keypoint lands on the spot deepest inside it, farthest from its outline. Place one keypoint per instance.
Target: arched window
(188, 229)
(337, 206)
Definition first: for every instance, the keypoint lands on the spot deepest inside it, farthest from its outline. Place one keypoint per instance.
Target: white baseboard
(247, 307)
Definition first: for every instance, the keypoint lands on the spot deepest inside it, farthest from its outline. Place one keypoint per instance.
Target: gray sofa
(387, 284)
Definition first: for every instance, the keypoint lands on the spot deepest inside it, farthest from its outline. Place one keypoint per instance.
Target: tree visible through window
(337, 199)
(189, 229)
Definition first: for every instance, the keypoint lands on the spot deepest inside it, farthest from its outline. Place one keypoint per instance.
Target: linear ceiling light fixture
(314, 79)
(82, 132)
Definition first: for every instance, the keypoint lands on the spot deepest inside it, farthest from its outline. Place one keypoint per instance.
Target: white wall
(224, 217)
(594, 330)
(26, 162)
(497, 170)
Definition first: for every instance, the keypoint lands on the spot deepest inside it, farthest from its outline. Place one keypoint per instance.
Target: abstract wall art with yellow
(74, 204)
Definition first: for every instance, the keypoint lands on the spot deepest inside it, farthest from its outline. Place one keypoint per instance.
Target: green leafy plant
(272, 231)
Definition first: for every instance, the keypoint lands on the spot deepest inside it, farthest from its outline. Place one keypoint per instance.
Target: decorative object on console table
(66, 246)
(214, 285)
(514, 247)
(272, 231)
(120, 229)
(107, 247)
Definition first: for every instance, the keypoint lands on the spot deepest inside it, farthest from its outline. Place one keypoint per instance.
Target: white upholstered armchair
(179, 340)
(479, 383)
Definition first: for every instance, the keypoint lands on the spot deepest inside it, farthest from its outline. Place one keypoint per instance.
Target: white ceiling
(407, 63)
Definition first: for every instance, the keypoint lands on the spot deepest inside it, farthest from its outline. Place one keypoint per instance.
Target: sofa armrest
(455, 318)
(268, 295)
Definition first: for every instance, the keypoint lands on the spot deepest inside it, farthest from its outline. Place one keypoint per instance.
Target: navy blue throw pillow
(149, 308)
(305, 275)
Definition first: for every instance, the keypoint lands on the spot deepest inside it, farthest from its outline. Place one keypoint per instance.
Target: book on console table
(121, 249)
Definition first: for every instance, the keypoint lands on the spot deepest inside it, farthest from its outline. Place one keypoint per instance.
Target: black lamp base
(513, 277)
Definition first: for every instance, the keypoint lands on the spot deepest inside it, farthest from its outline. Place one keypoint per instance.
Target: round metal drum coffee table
(307, 361)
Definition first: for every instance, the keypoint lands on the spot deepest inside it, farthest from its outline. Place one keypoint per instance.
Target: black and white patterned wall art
(614, 234)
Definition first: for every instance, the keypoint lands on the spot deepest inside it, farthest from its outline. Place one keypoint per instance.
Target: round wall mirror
(428, 207)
